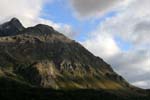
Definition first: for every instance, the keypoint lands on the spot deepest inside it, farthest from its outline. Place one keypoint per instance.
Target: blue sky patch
(123, 45)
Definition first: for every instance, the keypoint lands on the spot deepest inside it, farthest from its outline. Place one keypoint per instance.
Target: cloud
(94, 8)
(102, 45)
(131, 24)
(143, 84)
(133, 65)
(29, 12)
(26, 10)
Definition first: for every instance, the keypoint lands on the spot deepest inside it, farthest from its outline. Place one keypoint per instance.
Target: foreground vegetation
(47, 94)
(12, 90)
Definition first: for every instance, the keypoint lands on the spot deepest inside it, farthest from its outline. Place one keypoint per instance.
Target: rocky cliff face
(11, 28)
(43, 57)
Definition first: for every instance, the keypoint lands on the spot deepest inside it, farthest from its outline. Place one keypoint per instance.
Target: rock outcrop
(11, 28)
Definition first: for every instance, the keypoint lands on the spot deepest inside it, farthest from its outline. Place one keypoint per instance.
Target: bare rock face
(11, 28)
(44, 57)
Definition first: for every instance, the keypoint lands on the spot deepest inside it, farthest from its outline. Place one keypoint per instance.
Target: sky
(116, 30)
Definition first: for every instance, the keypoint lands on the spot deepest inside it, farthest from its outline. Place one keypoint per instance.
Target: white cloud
(26, 10)
(103, 45)
(143, 84)
(131, 24)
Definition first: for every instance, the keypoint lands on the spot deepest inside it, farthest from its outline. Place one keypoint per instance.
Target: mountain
(41, 57)
(11, 28)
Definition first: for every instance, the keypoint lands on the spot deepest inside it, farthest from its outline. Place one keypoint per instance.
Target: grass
(14, 90)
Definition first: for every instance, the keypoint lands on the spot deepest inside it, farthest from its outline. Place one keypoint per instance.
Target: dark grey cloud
(142, 30)
(142, 26)
(86, 8)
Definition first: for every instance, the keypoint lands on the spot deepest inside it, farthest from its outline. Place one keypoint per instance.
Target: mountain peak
(44, 28)
(14, 19)
(11, 27)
